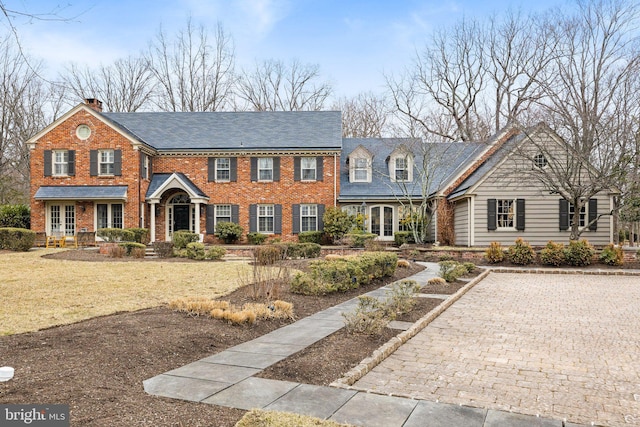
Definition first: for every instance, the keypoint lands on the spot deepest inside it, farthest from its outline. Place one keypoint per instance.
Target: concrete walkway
(227, 379)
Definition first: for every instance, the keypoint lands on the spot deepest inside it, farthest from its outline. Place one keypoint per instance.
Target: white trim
(611, 208)
(472, 221)
(174, 181)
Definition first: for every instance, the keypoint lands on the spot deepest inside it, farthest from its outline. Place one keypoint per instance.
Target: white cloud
(263, 15)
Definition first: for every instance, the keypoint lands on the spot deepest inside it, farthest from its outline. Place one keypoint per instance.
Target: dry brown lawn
(37, 293)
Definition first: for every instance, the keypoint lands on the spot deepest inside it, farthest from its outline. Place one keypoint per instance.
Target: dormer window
(360, 163)
(401, 166)
(360, 170)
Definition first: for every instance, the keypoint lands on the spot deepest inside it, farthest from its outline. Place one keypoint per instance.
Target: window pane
(69, 220)
(55, 219)
(265, 169)
(505, 213)
(223, 213)
(265, 219)
(103, 219)
(308, 217)
(106, 162)
(223, 169)
(116, 214)
(308, 165)
(60, 162)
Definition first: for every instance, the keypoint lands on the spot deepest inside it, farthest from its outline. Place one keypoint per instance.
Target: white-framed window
(146, 173)
(265, 169)
(361, 169)
(222, 213)
(223, 169)
(505, 213)
(266, 216)
(106, 162)
(60, 162)
(582, 218)
(308, 168)
(109, 215)
(308, 218)
(401, 172)
(62, 219)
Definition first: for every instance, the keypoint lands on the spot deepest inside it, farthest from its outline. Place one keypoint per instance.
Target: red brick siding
(102, 136)
(245, 192)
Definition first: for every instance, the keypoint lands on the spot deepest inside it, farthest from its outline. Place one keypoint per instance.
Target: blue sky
(353, 42)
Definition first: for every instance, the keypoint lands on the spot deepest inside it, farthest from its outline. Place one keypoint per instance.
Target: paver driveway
(562, 346)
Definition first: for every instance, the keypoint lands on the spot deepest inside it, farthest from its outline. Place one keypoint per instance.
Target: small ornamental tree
(337, 222)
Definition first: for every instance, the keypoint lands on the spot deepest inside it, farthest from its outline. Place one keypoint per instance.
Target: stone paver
(561, 346)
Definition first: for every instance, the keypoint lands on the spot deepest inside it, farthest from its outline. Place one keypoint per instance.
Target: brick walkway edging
(394, 343)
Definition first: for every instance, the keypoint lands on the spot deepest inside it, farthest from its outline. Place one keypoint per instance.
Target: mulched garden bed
(97, 366)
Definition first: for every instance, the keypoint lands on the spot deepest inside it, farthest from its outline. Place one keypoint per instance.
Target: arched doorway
(179, 214)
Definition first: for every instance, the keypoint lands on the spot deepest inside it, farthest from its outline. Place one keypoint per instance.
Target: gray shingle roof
(444, 161)
(250, 130)
(488, 165)
(158, 179)
(81, 192)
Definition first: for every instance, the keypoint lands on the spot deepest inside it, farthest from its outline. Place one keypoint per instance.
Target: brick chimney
(94, 103)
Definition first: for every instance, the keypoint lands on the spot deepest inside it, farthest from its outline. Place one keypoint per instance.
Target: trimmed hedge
(140, 235)
(116, 234)
(342, 274)
(183, 237)
(16, 239)
(229, 232)
(129, 246)
(256, 238)
(311, 237)
(15, 216)
(358, 240)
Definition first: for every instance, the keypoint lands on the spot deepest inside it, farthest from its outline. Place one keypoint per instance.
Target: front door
(181, 217)
(382, 221)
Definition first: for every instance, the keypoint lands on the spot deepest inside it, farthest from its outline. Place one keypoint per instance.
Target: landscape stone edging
(394, 343)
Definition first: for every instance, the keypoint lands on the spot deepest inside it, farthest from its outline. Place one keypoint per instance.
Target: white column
(197, 218)
(152, 222)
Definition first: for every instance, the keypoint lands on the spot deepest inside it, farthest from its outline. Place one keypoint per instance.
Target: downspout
(335, 180)
(472, 221)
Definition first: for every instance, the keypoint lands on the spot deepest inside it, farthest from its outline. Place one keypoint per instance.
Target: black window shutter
(211, 219)
(277, 219)
(593, 214)
(491, 214)
(93, 162)
(71, 166)
(235, 214)
(253, 218)
(150, 170)
(47, 162)
(254, 169)
(320, 219)
(117, 162)
(564, 215)
(296, 218)
(276, 168)
(211, 169)
(520, 214)
(233, 169)
(319, 168)
(296, 168)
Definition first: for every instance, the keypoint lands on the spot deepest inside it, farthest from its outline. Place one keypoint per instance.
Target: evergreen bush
(183, 237)
(494, 253)
(521, 253)
(16, 239)
(612, 255)
(579, 253)
(552, 254)
(229, 232)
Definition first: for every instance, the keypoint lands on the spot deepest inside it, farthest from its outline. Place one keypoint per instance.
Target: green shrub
(129, 246)
(337, 222)
(378, 264)
(521, 253)
(256, 238)
(402, 237)
(494, 253)
(469, 266)
(451, 270)
(140, 235)
(116, 234)
(163, 249)
(183, 237)
(308, 250)
(579, 253)
(15, 216)
(359, 239)
(612, 255)
(195, 250)
(229, 232)
(401, 296)
(16, 239)
(552, 254)
(445, 257)
(215, 253)
(369, 318)
(269, 254)
(304, 284)
(310, 237)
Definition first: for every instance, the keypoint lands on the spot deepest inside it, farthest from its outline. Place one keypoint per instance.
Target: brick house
(271, 172)
(276, 172)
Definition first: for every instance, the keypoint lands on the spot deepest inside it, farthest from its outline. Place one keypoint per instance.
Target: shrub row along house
(276, 173)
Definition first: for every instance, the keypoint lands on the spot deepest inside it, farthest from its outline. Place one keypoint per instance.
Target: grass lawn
(37, 293)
